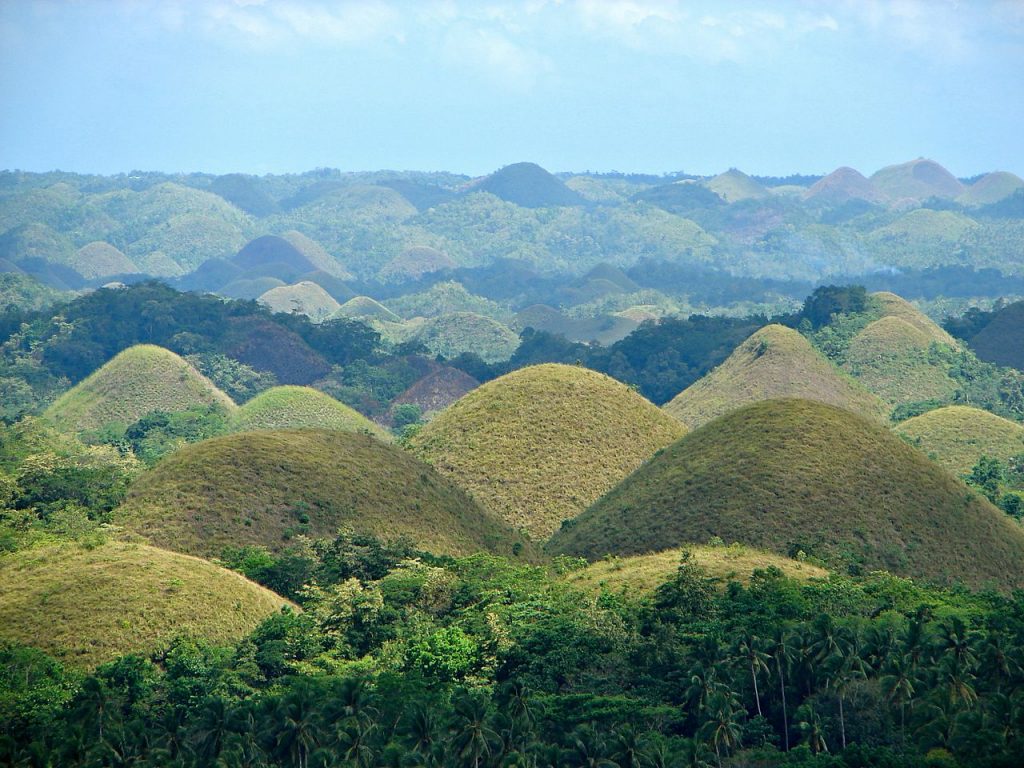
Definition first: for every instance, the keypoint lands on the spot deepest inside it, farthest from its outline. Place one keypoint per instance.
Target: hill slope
(897, 306)
(266, 487)
(917, 180)
(437, 390)
(452, 334)
(528, 185)
(87, 606)
(734, 185)
(139, 380)
(789, 475)
(306, 298)
(991, 188)
(293, 407)
(1001, 341)
(774, 362)
(957, 436)
(538, 445)
(842, 185)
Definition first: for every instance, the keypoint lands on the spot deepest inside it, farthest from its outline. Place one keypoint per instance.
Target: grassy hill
(298, 408)
(364, 306)
(437, 390)
(273, 256)
(250, 288)
(991, 188)
(452, 334)
(917, 180)
(642, 574)
(922, 237)
(790, 475)
(1001, 341)
(774, 362)
(413, 263)
(264, 488)
(841, 186)
(86, 606)
(316, 254)
(896, 306)
(538, 445)
(957, 436)
(99, 259)
(139, 380)
(734, 185)
(304, 297)
(528, 185)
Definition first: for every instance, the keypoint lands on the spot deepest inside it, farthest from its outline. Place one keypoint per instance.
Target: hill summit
(917, 180)
(957, 436)
(292, 407)
(528, 185)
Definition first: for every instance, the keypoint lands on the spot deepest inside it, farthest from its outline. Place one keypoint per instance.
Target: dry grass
(957, 436)
(292, 407)
(364, 306)
(735, 185)
(896, 306)
(452, 334)
(306, 298)
(99, 259)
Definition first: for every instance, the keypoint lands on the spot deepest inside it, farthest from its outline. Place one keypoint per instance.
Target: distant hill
(89, 605)
(896, 306)
(917, 180)
(734, 185)
(452, 334)
(273, 256)
(991, 188)
(211, 275)
(266, 346)
(774, 362)
(301, 407)
(305, 298)
(364, 306)
(316, 254)
(437, 390)
(681, 197)
(1001, 341)
(413, 263)
(605, 329)
(528, 185)
(957, 436)
(250, 288)
(790, 475)
(99, 259)
(35, 241)
(263, 488)
(538, 445)
(139, 380)
(841, 186)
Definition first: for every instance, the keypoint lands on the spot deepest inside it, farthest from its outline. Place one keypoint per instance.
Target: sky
(651, 86)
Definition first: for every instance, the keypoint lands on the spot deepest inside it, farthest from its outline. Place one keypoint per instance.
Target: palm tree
(587, 749)
(296, 721)
(782, 650)
(722, 728)
(422, 730)
(630, 748)
(898, 688)
(747, 648)
(810, 725)
(211, 730)
(473, 735)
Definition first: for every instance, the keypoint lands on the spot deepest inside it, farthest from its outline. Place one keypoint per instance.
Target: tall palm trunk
(782, 689)
(757, 696)
(842, 722)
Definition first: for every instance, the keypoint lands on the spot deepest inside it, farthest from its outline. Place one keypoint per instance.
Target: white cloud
(493, 56)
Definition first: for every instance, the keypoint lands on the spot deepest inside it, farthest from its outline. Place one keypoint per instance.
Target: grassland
(452, 334)
(957, 436)
(99, 259)
(538, 445)
(265, 488)
(734, 185)
(641, 574)
(364, 306)
(896, 306)
(792, 475)
(916, 180)
(774, 362)
(139, 380)
(291, 407)
(90, 605)
(991, 188)
(306, 298)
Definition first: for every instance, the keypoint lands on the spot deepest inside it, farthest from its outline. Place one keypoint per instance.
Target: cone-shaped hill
(957, 436)
(87, 606)
(897, 306)
(538, 445)
(316, 254)
(917, 180)
(364, 306)
(734, 185)
(991, 188)
(139, 380)
(1001, 341)
(841, 186)
(101, 259)
(437, 390)
(273, 256)
(528, 185)
(306, 298)
(262, 488)
(774, 362)
(293, 407)
(790, 475)
(415, 262)
(453, 333)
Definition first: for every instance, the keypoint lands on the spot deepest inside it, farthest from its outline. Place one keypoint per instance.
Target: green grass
(437, 390)
(991, 188)
(99, 259)
(916, 180)
(316, 254)
(445, 298)
(452, 334)
(139, 380)
(538, 445)
(957, 436)
(774, 362)
(364, 306)
(265, 488)
(641, 574)
(896, 306)
(791, 475)
(304, 297)
(292, 407)
(413, 263)
(89, 605)
(1002, 340)
(734, 185)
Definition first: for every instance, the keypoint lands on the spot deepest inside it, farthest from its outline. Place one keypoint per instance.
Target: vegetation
(538, 445)
(304, 298)
(301, 407)
(958, 436)
(452, 334)
(998, 340)
(794, 475)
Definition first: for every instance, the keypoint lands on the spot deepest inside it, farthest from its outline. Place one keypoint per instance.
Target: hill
(364, 306)
(734, 185)
(957, 436)
(991, 188)
(316, 254)
(413, 263)
(538, 445)
(452, 334)
(896, 306)
(249, 288)
(264, 488)
(841, 186)
(293, 407)
(273, 256)
(790, 475)
(99, 259)
(642, 574)
(528, 185)
(774, 362)
(917, 180)
(306, 298)
(139, 380)
(90, 605)
(437, 390)
(1001, 341)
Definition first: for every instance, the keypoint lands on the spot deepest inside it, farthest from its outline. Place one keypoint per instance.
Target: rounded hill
(364, 306)
(139, 380)
(305, 298)
(991, 188)
(415, 262)
(792, 475)
(538, 445)
(734, 185)
(841, 186)
(452, 334)
(918, 180)
(774, 362)
(87, 606)
(896, 306)
(957, 436)
(99, 259)
(292, 407)
(437, 390)
(264, 488)
(316, 254)
(528, 185)
(273, 256)
(1001, 341)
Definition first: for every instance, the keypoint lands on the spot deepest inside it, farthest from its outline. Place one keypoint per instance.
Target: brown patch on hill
(842, 185)
(267, 346)
(437, 390)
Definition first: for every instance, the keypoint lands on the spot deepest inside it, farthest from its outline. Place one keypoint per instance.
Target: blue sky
(269, 86)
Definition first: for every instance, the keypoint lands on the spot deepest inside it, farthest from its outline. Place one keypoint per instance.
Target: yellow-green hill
(263, 488)
(364, 306)
(642, 574)
(306, 298)
(452, 334)
(991, 188)
(957, 436)
(917, 180)
(87, 606)
(538, 445)
(316, 254)
(101, 259)
(292, 407)
(774, 362)
(896, 306)
(791, 475)
(139, 380)
(734, 185)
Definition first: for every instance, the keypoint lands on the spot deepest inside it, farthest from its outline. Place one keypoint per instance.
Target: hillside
(991, 188)
(293, 407)
(306, 298)
(99, 259)
(528, 185)
(538, 445)
(734, 185)
(139, 380)
(957, 436)
(790, 475)
(273, 256)
(364, 306)
(264, 488)
(916, 180)
(774, 362)
(452, 334)
(316, 254)
(1001, 341)
(413, 263)
(896, 306)
(437, 390)
(89, 605)
(841, 186)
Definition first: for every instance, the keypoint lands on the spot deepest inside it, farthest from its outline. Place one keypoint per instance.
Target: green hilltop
(364, 306)
(991, 188)
(452, 334)
(538, 445)
(734, 185)
(305, 297)
(774, 362)
(957, 436)
(264, 488)
(99, 259)
(791, 475)
(139, 380)
(89, 605)
(916, 180)
(292, 407)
